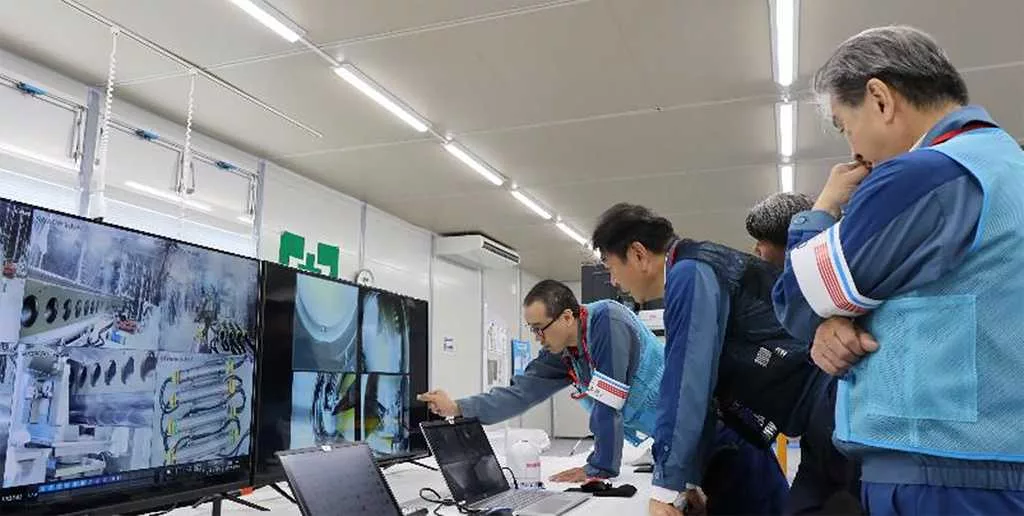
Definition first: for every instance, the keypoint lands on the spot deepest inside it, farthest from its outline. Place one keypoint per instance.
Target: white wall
(458, 316)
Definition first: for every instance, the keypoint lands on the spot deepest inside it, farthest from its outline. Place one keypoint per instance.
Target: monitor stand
(282, 492)
(218, 500)
(413, 462)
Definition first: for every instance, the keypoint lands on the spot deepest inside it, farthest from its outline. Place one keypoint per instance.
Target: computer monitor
(126, 365)
(340, 363)
(314, 475)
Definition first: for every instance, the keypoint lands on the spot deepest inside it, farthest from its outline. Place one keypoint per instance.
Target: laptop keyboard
(518, 498)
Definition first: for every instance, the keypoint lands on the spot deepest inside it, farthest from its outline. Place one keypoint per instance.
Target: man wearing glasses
(615, 365)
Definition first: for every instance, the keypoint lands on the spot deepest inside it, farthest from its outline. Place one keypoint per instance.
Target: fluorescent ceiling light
(262, 12)
(785, 41)
(361, 82)
(484, 170)
(571, 233)
(786, 178)
(787, 116)
(530, 203)
(245, 219)
(168, 196)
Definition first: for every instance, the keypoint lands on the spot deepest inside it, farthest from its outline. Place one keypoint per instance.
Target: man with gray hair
(906, 276)
(768, 223)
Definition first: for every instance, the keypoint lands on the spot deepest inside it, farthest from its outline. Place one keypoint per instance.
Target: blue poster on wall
(520, 356)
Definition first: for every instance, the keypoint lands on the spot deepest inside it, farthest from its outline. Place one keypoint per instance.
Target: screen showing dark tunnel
(340, 363)
(124, 358)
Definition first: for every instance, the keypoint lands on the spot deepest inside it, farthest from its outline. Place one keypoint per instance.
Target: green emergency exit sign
(293, 253)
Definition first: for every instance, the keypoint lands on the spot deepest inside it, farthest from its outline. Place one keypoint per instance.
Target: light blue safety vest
(946, 379)
(639, 414)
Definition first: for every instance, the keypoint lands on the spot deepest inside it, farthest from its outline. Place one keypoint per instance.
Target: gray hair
(769, 219)
(906, 59)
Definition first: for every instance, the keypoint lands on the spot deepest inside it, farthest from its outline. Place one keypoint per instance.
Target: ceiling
(666, 103)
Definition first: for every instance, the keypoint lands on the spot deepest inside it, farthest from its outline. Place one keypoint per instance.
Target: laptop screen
(466, 460)
(344, 476)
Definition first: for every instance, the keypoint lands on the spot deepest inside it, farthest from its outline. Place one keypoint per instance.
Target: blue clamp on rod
(29, 89)
(224, 165)
(146, 135)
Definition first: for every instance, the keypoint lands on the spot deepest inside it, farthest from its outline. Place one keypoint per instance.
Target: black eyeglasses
(539, 332)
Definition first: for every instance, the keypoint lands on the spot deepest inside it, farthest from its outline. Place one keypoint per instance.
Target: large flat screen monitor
(126, 365)
(340, 363)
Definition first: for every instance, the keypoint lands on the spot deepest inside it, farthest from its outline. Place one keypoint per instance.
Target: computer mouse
(499, 512)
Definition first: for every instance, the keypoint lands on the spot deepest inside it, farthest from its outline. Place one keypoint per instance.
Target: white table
(407, 479)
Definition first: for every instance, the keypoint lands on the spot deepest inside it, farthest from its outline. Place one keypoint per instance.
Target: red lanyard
(945, 137)
(581, 392)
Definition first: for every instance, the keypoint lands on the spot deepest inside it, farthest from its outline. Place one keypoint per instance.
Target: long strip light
(265, 14)
(168, 196)
(785, 42)
(530, 203)
(277, 22)
(472, 162)
(364, 84)
(571, 233)
(786, 177)
(786, 118)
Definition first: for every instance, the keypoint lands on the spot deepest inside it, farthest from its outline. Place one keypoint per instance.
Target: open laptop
(338, 480)
(475, 478)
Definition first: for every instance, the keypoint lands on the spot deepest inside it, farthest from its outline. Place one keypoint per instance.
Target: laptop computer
(475, 478)
(338, 480)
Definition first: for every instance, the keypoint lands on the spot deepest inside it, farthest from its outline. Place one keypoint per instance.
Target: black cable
(515, 482)
(445, 502)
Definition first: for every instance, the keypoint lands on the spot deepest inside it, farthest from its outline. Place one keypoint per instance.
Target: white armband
(607, 390)
(824, 277)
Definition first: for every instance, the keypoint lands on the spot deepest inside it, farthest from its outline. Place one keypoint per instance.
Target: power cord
(515, 482)
(436, 497)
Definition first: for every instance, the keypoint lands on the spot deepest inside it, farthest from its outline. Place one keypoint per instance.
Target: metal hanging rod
(189, 65)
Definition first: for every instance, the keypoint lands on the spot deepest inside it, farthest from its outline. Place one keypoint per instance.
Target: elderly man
(906, 274)
(768, 223)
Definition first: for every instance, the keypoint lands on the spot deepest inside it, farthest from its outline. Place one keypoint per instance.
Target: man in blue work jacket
(827, 482)
(726, 353)
(920, 242)
(614, 363)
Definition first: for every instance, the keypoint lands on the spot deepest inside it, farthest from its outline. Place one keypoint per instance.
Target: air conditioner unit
(476, 251)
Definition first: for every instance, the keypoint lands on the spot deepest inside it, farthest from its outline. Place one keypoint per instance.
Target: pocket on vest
(925, 366)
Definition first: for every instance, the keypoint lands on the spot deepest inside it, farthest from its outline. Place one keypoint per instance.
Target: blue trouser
(899, 499)
(743, 479)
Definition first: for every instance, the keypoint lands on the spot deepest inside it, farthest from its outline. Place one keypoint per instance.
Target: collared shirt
(912, 220)
(614, 348)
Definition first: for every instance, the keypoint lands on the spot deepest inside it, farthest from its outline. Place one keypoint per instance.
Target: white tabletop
(406, 480)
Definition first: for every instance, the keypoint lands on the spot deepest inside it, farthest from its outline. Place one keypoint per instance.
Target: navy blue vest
(765, 377)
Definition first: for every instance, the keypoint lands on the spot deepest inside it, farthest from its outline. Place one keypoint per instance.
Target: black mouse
(499, 512)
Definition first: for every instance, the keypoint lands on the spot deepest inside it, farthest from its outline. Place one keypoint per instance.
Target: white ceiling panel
(329, 21)
(542, 66)
(654, 143)
(695, 51)
(50, 33)
(973, 33)
(737, 188)
(187, 27)
(414, 170)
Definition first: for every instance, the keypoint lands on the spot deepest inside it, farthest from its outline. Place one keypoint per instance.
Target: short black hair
(622, 224)
(556, 296)
(769, 219)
